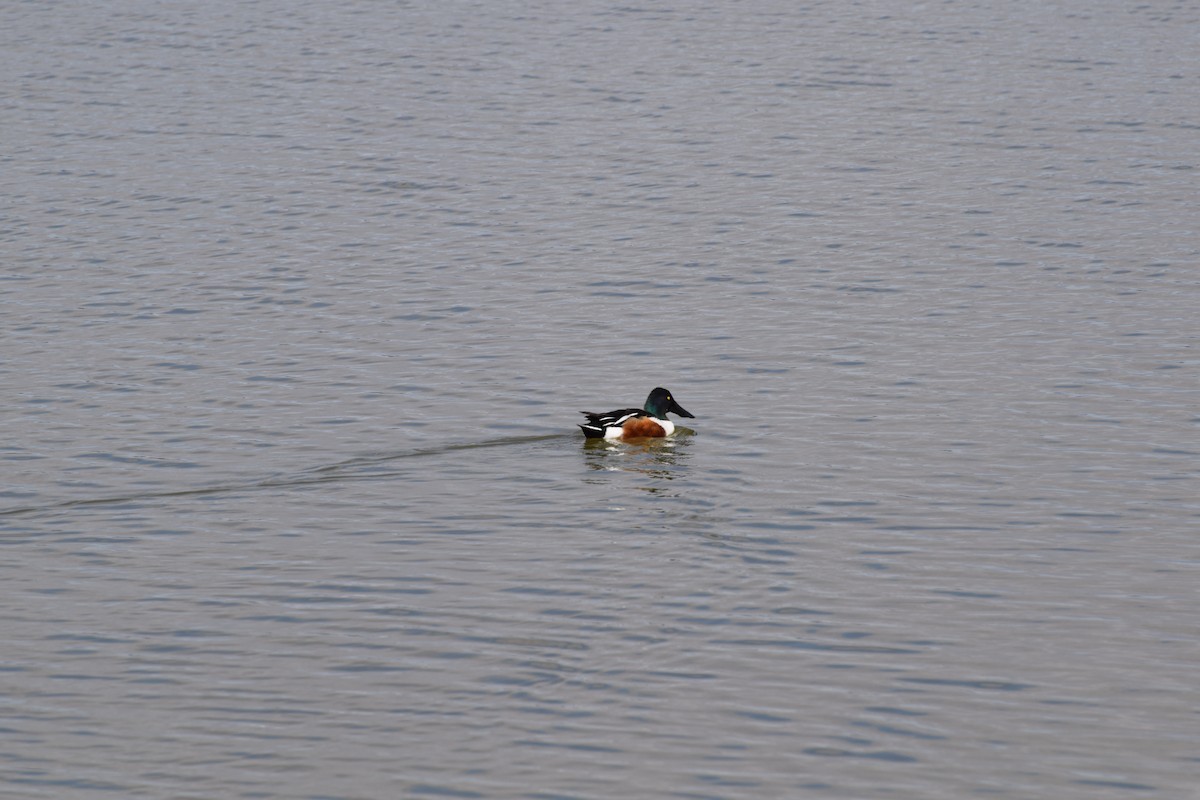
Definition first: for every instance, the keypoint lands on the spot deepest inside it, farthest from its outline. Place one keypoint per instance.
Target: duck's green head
(660, 402)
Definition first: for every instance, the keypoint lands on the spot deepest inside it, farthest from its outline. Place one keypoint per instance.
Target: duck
(650, 421)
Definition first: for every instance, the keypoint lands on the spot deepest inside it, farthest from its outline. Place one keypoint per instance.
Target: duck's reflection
(657, 458)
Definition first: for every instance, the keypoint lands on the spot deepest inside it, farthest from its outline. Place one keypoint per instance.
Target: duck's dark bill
(680, 410)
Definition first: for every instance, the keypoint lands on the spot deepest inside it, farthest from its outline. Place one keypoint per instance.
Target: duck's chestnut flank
(642, 426)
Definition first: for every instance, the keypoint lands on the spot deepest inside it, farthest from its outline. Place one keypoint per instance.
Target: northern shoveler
(630, 423)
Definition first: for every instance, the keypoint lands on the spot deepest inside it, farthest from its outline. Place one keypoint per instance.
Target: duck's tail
(594, 429)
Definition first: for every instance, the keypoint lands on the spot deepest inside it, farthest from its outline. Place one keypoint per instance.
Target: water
(301, 301)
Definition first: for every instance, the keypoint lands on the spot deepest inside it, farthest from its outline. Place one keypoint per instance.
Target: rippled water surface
(301, 302)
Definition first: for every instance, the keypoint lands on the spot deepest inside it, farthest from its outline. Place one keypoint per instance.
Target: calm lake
(300, 303)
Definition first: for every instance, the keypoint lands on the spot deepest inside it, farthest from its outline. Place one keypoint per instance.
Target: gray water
(301, 301)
